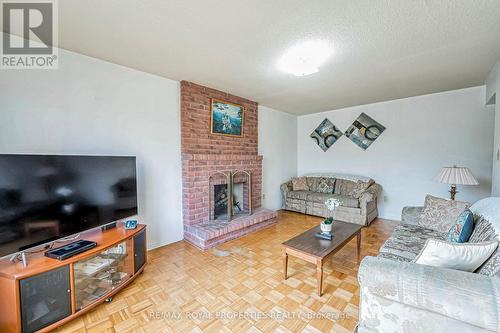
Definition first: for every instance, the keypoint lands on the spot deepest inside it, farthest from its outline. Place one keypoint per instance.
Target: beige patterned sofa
(399, 295)
(357, 194)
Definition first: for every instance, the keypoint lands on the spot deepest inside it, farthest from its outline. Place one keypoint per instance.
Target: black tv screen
(46, 197)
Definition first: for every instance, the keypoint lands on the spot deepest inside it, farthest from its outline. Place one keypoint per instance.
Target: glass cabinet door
(102, 273)
(45, 299)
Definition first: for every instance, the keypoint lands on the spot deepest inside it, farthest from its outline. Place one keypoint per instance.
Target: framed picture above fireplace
(226, 118)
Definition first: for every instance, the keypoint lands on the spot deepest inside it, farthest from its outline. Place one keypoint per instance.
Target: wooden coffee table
(314, 250)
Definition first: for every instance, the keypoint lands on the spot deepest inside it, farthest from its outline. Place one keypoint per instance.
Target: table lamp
(454, 176)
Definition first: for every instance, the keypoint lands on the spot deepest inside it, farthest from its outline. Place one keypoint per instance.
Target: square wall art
(326, 134)
(226, 118)
(364, 131)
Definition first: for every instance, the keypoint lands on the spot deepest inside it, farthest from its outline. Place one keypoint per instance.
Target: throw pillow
(460, 256)
(461, 231)
(441, 214)
(326, 185)
(300, 184)
(352, 188)
(312, 183)
(360, 187)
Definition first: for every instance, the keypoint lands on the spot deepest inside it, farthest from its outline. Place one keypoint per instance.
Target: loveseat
(399, 295)
(357, 194)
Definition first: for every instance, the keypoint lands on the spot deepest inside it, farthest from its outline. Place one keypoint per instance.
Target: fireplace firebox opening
(235, 191)
(221, 200)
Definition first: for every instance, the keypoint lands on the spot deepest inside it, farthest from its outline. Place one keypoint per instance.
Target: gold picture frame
(226, 118)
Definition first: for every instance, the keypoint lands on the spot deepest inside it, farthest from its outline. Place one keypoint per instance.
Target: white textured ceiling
(383, 50)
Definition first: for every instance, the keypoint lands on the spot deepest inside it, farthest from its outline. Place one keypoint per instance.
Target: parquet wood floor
(186, 290)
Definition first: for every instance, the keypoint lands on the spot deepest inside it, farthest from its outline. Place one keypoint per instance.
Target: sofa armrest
(411, 215)
(370, 194)
(469, 298)
(285, 188)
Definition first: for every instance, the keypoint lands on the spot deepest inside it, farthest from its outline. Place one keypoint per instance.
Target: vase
(326, 228)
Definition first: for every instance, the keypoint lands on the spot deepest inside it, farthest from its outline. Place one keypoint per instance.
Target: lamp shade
(456, 176)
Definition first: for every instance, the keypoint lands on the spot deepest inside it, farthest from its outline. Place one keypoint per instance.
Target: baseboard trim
(152, 246)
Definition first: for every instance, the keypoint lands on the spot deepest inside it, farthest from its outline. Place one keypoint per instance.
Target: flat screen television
(47, 197)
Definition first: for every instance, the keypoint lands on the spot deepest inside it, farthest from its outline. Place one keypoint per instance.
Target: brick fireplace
(208, 159)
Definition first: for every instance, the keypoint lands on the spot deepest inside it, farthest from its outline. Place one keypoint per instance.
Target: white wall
(278, 145)
(492, 82)
(493, 90)
(89, 106)
(423, 134)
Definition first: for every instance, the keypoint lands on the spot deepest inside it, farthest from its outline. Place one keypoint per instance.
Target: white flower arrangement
(326, 225)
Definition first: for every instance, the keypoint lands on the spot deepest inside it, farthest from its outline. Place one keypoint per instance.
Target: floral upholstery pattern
(285, 188)
(300, 184)
(398, 295)
(441, 214)
(360, 210)
(485, 231)
(384, 315)
(462, 229)
(302, 195)
(360, 188)
(411, 215)
(369, 196)
(351, 188)
(312, 183)
(408, 297)
(295, 205)
(326, 185)
(322, 197)
(407, 241)
(492, 266)
(487, 227)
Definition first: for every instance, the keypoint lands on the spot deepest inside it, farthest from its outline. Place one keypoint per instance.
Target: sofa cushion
(322, 197)
(301, 195)
(326, 185)
(407, 241)
(351, 188)
(295, 205)
(441, 214)
(486, 219)
(300, 184)
(483, 230)
(312, 183)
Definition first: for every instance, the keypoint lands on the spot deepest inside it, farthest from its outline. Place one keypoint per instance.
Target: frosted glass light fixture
(304, 58)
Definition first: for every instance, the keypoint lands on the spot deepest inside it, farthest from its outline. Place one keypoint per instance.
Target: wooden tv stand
(48, 292)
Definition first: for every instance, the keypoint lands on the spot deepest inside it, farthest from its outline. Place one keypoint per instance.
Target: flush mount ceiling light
(304, 58)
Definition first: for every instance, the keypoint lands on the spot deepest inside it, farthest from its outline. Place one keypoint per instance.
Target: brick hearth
(204, 154)
(208, 234)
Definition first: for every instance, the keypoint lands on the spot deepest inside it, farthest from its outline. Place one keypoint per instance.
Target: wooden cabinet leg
(319, 276)
(358, 245)
(285, 264)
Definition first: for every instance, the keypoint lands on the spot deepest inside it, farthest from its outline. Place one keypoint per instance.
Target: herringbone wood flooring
(185, 290)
